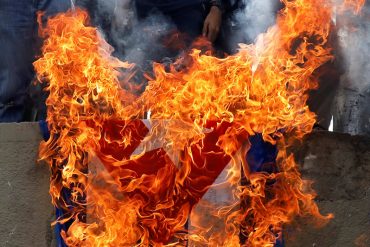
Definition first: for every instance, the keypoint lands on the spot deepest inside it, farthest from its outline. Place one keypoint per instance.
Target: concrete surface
(352, 112)
(338, 163)
(25, 208)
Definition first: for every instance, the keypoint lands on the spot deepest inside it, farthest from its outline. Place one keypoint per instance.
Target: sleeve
(217, 3)
(86, 4)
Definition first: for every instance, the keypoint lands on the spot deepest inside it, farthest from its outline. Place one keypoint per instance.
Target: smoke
(351, 108)
(136, 41)
(247, 20)
(115, 17)
(140, 42)
(256, 17)
(354, 43)
(144, 42)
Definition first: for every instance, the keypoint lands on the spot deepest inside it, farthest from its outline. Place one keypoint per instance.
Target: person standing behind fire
(192, 17)
(18, 46)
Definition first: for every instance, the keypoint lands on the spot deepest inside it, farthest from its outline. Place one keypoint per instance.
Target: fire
(355, 5)
(204, 114)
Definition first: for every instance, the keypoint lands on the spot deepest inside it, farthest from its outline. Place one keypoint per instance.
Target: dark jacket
(173, 5)
(165, 5)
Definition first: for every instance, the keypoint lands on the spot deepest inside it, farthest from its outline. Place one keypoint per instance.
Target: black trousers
(188, 20)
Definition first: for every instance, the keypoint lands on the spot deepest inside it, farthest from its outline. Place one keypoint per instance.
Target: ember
(204, 115)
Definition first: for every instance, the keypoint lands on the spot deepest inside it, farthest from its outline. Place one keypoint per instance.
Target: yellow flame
(261, 89)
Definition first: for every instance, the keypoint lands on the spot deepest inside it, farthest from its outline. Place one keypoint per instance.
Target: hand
(212, 24)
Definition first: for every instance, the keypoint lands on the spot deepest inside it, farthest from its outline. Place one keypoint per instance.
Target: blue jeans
(18, 47)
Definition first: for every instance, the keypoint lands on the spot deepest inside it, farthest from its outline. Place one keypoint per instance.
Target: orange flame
(355, 5)
(209, 109)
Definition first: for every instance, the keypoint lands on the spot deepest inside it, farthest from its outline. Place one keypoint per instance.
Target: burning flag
(203, 120)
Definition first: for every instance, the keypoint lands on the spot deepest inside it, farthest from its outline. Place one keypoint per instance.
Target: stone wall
(338, 163)
(25, 208)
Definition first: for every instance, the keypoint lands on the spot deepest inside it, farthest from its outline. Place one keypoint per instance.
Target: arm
(212, 23)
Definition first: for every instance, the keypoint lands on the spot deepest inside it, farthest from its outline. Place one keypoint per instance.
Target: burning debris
(206, 115)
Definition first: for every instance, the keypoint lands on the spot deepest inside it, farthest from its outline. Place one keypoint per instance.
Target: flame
(354, 5)
(203, 113)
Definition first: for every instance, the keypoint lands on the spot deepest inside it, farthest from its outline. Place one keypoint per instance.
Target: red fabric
(158, 176)
(207, 163)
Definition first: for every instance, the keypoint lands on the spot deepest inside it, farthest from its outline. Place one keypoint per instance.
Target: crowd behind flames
(141, 33)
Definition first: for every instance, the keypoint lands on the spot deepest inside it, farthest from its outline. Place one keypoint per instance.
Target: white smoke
(116, 18)
(136, 41)
(256, 17)
(351, 109)
(354, 42)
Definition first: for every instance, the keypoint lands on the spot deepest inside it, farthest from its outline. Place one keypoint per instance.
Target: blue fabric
(44, 130)
(262, 157)
(59, 228)
(59, 213)
(280, 243)
(18, 44)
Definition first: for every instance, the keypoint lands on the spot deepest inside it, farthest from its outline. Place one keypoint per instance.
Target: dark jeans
(188, 20)
(18, 46)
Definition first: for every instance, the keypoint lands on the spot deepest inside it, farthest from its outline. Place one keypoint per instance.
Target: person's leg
(16, 73)
(53, 7)
(18, 45)
(49, 8)
(189, 20)
(321, 101)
